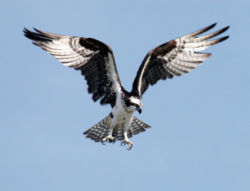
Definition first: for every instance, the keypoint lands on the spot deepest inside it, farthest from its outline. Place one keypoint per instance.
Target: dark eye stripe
(134, 104)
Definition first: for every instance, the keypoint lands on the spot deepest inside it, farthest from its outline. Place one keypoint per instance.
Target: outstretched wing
(174, 58)
(94, 58)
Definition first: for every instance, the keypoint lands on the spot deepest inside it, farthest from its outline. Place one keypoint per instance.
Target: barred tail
(136, 127)
(99, 130)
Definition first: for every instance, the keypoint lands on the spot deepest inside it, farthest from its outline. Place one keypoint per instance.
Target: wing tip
(223, 30)
(29, 34)
(26, 32)
(203, 30)
(36, 35)
(212, 25)
(226, 28)
(222, 39)
(208, 27)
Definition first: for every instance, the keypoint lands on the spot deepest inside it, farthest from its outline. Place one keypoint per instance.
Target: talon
(109, 139)
(104, 141)
(129, 148)
(130, 145)
(112, 141)
(127, 142)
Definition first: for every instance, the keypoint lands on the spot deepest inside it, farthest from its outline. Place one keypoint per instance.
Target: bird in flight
(96, 62)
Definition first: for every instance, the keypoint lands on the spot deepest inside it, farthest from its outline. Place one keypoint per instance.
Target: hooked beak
(139, 109)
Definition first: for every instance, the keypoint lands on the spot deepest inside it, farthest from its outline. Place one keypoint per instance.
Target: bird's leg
(126, 141)
(110, 138)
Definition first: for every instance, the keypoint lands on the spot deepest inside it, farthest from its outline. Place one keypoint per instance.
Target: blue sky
(200, 132)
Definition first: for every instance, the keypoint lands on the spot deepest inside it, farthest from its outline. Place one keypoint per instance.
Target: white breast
(122, 116)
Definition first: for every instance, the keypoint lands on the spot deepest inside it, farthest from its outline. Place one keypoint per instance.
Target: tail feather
(101, 129)
(137, 126)
(118, 133)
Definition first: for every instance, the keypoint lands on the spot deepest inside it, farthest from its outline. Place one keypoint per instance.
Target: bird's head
(135, 103)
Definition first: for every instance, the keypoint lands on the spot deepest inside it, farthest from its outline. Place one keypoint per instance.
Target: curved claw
(109, 139)
(129, 147)
(112, 141)
(127, 142)
(123, 143)
(104, 142)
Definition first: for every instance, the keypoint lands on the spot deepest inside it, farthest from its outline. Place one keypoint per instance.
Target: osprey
(96, 62)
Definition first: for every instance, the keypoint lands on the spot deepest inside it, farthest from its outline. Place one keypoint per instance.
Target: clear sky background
(200, 135)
